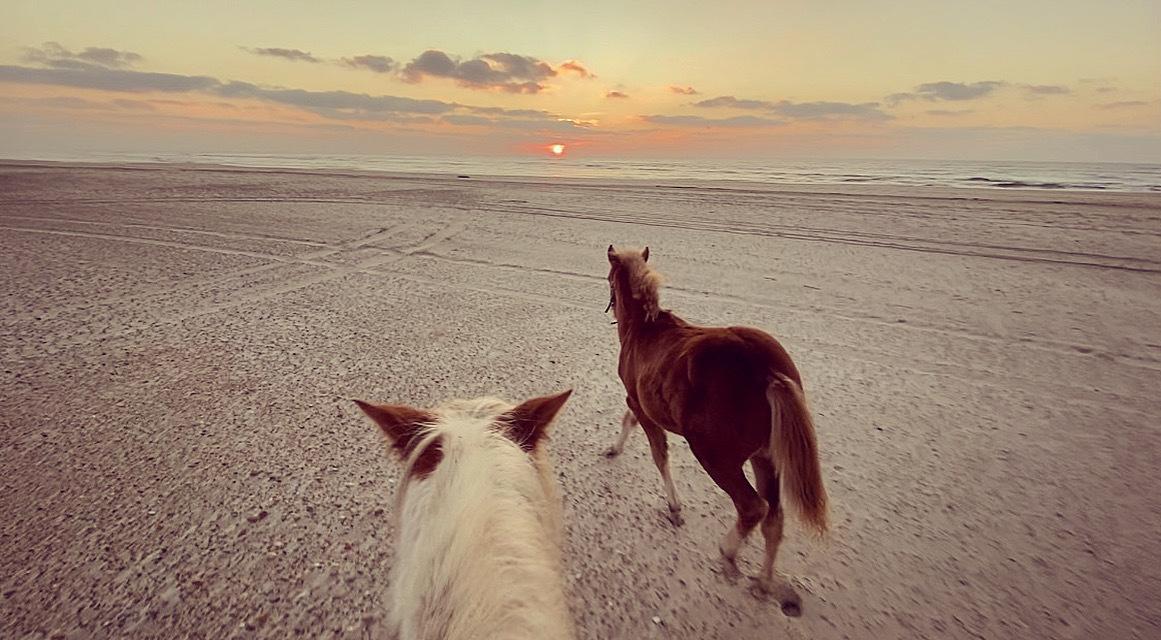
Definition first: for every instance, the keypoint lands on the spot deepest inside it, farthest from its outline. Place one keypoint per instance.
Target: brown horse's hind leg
(627, 423)
(766, 477)
(659, 446)
(727, 473)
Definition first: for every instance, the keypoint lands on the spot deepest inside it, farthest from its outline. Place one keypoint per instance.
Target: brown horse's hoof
(676, 518)
(780, 590)
(730, 570)
(612, 452)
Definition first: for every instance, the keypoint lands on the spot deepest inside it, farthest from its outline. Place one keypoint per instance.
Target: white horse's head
(478, 551)
(422, 438)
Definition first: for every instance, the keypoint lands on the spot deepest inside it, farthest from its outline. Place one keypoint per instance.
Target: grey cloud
(478, 72)
(802, 110)
(944, 90)
(617, 95)
(518, 87)
(332, 100)
(515, 113)
(698, 121)
(1123, 104)
(948, 112)
(734, 103)
(544, 126)
(393, 117)
(520, 119)
(504, 71)
(957, 90)
(141, 82)
(430, 62)
(339, 105)
(1046, 89)
(57, 102)
(378, 64)
(894, 99)
(685, 91)
(1106, 85)
(466, 119)
(541, 125)
(108, 79)
(109, 57)
(818, 110)
(134, 105)
(294, 55)
(186, 103)
(73, 102)
(69, 102)
(522, 66)
(52, 54)
(522, 124)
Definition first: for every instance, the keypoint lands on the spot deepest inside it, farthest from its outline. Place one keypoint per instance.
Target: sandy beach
(179, 346)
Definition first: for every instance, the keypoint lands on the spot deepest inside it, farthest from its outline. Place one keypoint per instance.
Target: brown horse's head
(633, 285)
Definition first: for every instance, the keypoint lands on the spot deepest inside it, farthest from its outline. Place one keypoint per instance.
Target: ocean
(1084, 176)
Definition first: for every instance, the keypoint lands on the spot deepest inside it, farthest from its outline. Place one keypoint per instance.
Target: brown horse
(735, 395)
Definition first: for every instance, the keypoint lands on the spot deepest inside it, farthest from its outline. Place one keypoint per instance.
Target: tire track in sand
(314, 258)
(162, 307)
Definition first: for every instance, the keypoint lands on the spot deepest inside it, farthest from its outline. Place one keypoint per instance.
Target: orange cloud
(577, 68)
(685, 91)
(617, 94)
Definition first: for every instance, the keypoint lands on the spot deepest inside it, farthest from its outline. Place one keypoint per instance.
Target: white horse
(478, 554)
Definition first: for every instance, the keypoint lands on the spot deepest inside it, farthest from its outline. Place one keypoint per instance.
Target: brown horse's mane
(644, 282)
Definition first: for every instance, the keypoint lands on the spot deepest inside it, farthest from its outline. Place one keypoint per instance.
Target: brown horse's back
(746, 357)
(717, 375)
(767, 352)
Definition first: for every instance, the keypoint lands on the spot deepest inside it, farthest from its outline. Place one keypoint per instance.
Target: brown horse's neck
(630, 315)
(625, 323)
(636, 298)
(633, 321)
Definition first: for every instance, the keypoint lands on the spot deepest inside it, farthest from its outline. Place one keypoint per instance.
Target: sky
(1015, 80)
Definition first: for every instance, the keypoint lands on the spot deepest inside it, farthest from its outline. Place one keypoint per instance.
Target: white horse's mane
(479, 544)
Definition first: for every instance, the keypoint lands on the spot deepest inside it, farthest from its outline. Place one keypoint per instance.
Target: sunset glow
(75, 76)
(557, 149)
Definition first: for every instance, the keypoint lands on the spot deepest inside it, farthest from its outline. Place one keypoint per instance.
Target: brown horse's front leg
(627, 423)
(659, 447)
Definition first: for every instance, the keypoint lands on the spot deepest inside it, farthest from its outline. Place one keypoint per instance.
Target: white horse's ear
(401, 424)
(528, 422)
(645, 255)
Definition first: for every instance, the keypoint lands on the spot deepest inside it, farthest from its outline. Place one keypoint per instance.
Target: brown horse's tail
(795, 451)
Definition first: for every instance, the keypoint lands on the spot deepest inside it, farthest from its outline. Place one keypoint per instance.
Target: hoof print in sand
(780, 591)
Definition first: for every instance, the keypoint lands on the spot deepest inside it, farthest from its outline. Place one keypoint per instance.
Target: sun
(557, 149)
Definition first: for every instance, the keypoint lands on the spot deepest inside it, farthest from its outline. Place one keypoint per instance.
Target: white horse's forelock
(479, 544)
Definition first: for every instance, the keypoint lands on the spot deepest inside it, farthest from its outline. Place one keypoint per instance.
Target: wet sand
(178, 347)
